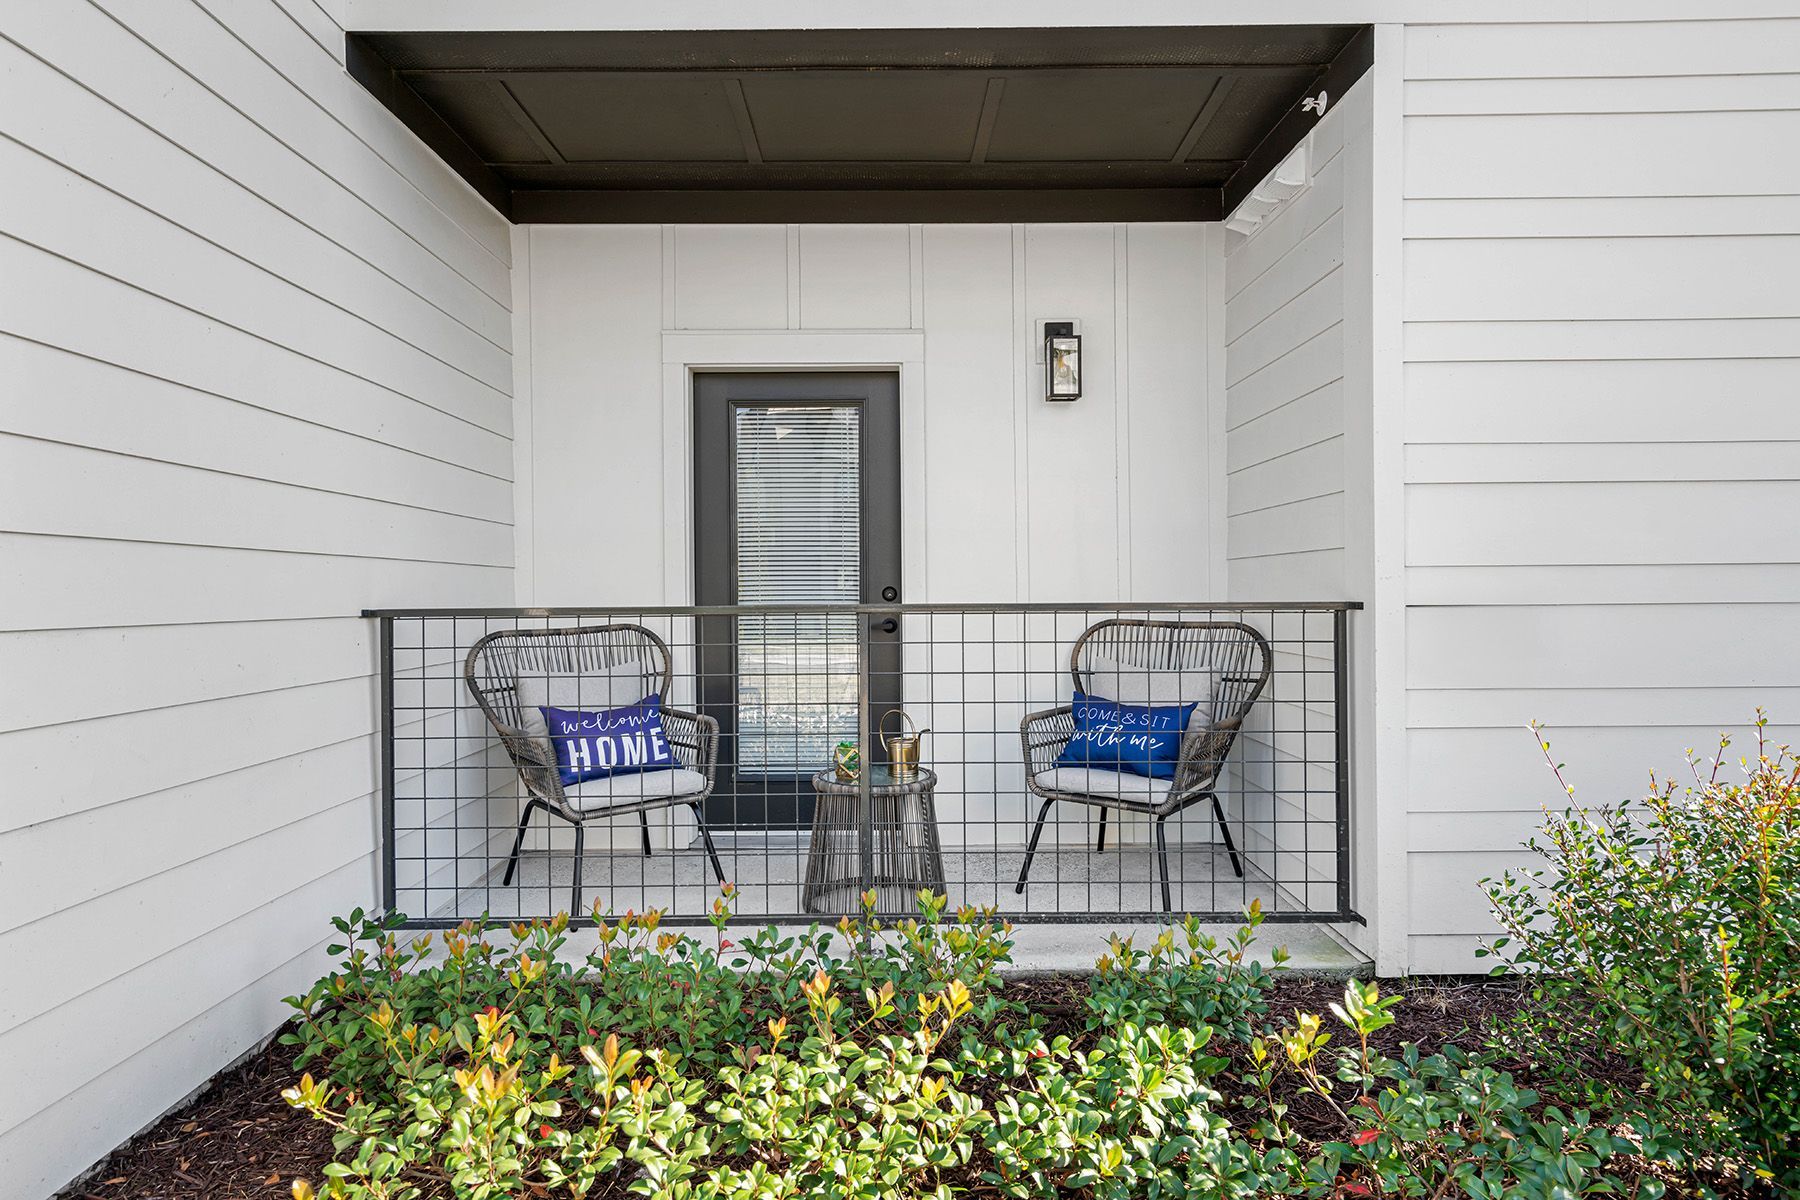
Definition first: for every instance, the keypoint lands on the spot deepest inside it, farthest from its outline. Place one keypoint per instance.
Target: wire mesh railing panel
(1054, 762)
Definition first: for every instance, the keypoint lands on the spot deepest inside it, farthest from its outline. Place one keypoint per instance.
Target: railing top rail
(729, 610)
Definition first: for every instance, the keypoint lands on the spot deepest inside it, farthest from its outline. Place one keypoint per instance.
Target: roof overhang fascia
(778, 203)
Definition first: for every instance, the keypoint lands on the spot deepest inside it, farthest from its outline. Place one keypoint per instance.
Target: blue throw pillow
(614, 741)
(1143, 739)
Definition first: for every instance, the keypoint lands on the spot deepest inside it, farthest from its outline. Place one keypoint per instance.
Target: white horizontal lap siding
(1286, 500)
(1284, 370)
(1602, 346)
(257, 344)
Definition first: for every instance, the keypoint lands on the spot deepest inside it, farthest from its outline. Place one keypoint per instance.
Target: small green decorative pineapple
(849, 761)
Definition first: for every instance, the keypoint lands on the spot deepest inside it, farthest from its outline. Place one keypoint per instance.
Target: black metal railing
(485, 808)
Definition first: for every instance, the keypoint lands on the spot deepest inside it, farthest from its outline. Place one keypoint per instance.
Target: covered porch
(809, 210)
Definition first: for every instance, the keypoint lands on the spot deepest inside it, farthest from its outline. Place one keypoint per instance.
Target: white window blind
(797, 534)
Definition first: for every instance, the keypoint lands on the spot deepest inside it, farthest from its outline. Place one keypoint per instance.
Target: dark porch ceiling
(1166, 123)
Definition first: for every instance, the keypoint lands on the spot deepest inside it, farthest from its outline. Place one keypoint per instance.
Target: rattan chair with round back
(1220, 665)
(512, 672)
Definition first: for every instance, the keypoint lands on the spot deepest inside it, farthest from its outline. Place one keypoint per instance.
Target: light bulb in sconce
(1062, 361)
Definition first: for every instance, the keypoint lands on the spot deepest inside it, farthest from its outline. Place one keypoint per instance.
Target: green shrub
(1186, 976)
(1431, 1126)
(1672, 927)
(783, 1068)
(389, 1011)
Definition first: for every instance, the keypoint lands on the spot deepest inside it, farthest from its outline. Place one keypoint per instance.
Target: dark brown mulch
(240, 1141)
(237, 1140)
(1437, 1010)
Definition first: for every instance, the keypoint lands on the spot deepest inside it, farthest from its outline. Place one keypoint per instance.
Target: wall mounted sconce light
(1062, 361)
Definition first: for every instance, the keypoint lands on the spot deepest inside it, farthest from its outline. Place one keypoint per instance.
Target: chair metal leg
(1031, 846)
(512, 860)
(706, 837)
(1162, 864)
(575, 894)
(1100, 844)
(1237, 864)
(644, 824)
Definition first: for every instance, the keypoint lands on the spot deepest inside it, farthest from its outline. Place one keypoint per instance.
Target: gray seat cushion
(1098, 781)
(592, 795)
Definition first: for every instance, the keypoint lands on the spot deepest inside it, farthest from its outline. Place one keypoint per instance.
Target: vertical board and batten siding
(256, 343)
(1602, 461)
(1108, 498)
(1288, 460)
(1008, 498)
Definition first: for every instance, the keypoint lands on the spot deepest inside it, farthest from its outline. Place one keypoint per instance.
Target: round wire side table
(903, 854)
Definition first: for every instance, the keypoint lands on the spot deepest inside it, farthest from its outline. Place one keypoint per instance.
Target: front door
(797, 503)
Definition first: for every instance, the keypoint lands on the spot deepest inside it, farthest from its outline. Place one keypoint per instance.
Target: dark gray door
(797, 502)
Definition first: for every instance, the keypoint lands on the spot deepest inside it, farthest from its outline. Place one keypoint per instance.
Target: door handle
(888, 626)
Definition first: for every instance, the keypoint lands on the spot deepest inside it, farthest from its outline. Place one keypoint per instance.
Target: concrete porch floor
(1069, 882)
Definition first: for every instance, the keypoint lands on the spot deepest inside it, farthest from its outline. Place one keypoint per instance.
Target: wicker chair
(513, 671)
(1151, 662)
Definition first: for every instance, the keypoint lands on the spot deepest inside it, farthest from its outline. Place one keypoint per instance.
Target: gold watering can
(902, 748)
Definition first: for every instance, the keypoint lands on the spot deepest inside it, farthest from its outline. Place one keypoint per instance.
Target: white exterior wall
(1285, 286)
(1570, 343)
(1005, 497)
(254, 340)
(1602, 434)
(1298, 501)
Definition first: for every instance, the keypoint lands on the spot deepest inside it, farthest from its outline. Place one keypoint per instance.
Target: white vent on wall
(1289, 178)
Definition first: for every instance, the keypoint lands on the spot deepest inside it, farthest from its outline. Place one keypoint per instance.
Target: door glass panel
(798, 539)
